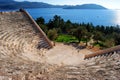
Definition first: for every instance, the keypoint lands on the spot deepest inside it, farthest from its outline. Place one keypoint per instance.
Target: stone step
(17, 33)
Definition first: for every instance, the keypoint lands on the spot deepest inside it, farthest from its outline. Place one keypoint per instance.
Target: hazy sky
(111, 4)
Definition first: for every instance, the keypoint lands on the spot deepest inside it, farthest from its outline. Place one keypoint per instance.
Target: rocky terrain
(97, 68)
(24, 55)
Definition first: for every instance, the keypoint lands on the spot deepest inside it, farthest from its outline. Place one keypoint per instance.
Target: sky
(111, 4)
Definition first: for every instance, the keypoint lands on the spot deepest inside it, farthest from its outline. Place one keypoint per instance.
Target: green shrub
(52, 34)
(66, 38)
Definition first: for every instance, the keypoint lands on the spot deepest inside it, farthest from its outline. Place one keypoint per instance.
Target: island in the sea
(86, 6)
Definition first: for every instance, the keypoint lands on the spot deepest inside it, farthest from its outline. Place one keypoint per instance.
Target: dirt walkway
(64, 54)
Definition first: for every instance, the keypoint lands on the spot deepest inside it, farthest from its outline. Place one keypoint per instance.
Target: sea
(106, 17)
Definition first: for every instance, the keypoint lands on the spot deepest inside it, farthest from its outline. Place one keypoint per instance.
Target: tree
(56, 22)
(78, 32)
(98, 36)
(89, 27)
(44, 28)
(68, 26)
(87, 36)
(40, 20)
(50, 24)
(52, 34)
(117, 39)
(109, 42)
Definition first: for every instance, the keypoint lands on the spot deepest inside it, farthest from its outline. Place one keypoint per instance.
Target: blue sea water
(97, 17)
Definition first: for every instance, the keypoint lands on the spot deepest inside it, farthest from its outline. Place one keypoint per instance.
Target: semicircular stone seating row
(17, 35)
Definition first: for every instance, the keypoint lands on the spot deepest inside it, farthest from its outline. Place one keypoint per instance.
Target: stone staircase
(115, 49)
(21, 45)
(20, 35)
(95, 68)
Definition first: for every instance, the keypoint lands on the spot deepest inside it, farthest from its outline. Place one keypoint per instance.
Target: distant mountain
(11, 4)
(86, 6)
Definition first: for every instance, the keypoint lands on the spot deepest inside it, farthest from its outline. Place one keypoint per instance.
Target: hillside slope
(86, 6)
(11, 4)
